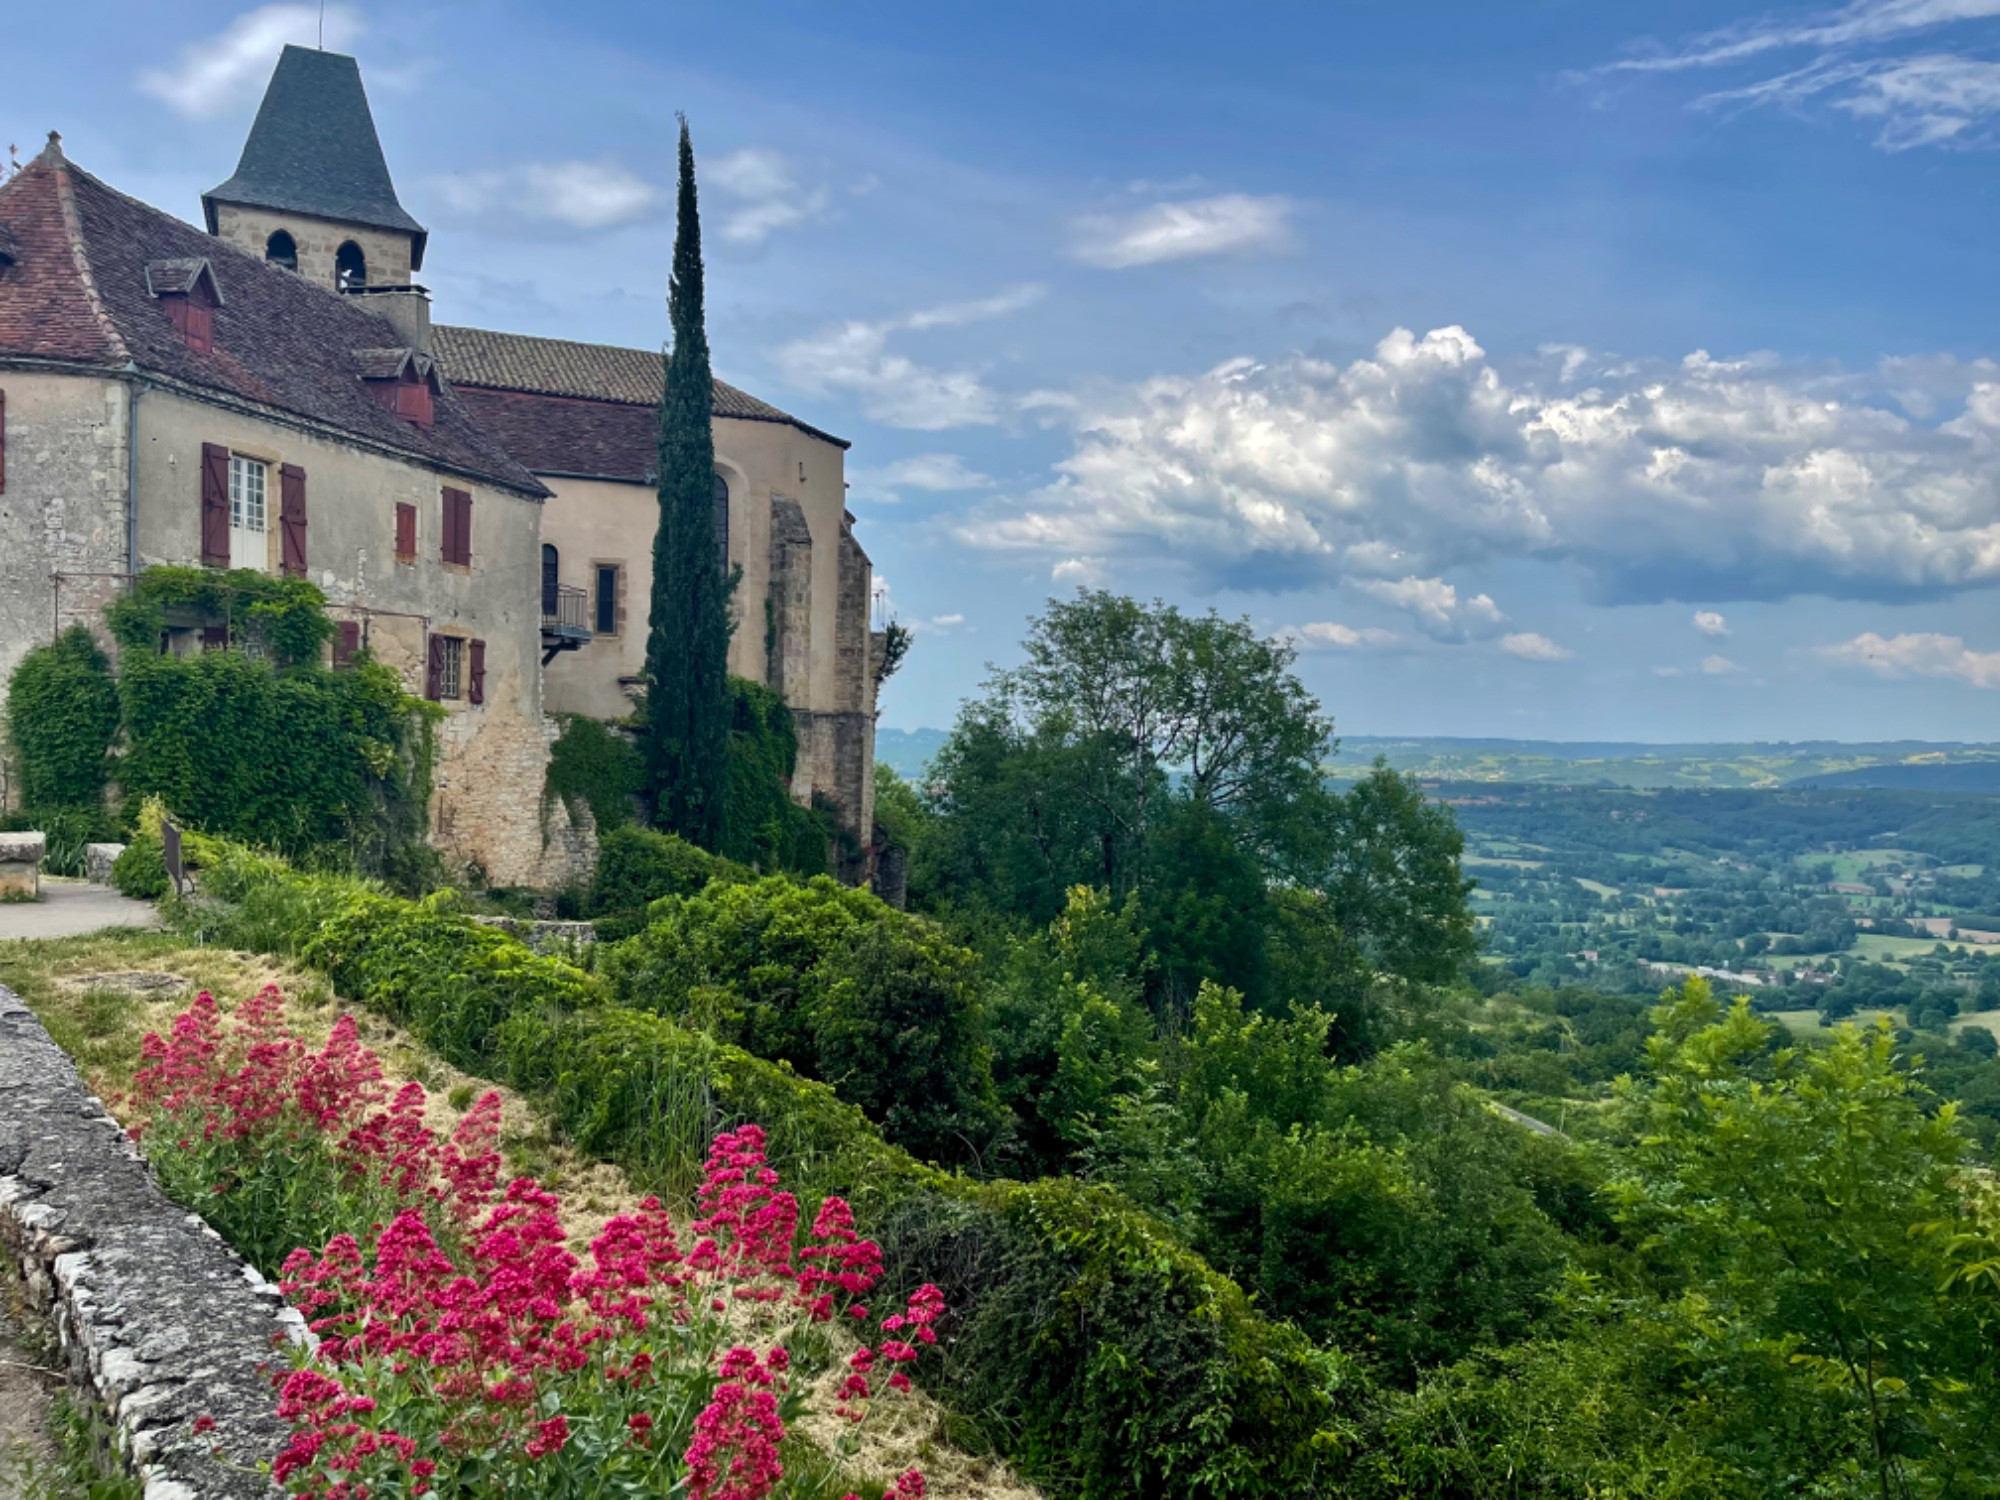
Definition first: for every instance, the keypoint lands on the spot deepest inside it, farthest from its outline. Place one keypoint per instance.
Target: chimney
(407, 309)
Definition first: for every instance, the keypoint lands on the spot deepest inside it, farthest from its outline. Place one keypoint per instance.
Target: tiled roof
(313, 150)
(562, 435)
(79, 294)
(587, 372)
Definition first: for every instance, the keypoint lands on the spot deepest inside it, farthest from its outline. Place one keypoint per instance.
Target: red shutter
(434, 673)
(292, 518)
(347, 642)
(406, 533)
(447, 527)
(475, 691)
(214, 505)
(457, 546)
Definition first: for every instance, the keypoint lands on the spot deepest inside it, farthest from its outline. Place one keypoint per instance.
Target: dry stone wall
(160, 1322)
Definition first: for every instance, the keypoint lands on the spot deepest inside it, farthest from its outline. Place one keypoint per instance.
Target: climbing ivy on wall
(261, 742)
(592, 763)
(763, 827)
(62, 702)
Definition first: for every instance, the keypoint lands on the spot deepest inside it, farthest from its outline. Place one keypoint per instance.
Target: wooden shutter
(406, 533)
(457, 526)
(434, 673)
(448, 525)
(214, 505)
(347, 643)
(475, 689)
(292, 518)
(215, 637)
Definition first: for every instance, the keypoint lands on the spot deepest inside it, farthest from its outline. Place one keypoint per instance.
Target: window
(607, 598)
(722, 523)
(451, 667)
(248, 486)
(282, 250)
(551, 579)
(350, 267)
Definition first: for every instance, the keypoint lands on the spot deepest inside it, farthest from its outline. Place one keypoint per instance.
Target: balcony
(565, 621)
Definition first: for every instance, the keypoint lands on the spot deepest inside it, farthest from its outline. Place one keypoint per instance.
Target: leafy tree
(63, 706)
(687, 646)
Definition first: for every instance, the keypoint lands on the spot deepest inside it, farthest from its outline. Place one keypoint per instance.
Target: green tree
(687, 646)
(63, 706)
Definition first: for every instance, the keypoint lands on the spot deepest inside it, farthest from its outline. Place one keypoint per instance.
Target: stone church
(269, 391)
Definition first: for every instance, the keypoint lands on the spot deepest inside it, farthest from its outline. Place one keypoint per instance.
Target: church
(268, 390)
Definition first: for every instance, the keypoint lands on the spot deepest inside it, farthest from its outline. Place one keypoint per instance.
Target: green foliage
(878, 1004)
(686, 736)
(63, 707)
(263, 743)
(1131, 1368)
(68, 831)
(594, 764)
(636, 867)
(764, 828)
(141, 870)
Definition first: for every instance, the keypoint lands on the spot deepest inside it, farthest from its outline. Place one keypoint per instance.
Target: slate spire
(313, 150)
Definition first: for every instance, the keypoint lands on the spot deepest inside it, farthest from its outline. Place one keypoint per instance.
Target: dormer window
(186, 287)
(10, 250)
(350, 267)
(403, 381)
(282, 251)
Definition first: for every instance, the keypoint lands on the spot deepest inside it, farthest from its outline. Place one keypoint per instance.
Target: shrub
(141, 871)
(879, 1004)
(762, 825)
(636, 867)
(63, 706)
(593, 764)
(69, 831)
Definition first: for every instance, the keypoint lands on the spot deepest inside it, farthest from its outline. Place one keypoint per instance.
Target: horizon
(1563, 376)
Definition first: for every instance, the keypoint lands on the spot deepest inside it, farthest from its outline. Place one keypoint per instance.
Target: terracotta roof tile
(79, 293)
(587, 372)
(562, 435)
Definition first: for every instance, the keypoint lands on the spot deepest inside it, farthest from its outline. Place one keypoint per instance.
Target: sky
(1544, 369)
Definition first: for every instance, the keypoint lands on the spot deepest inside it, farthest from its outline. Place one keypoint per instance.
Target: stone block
(98, 860)
(21, 866)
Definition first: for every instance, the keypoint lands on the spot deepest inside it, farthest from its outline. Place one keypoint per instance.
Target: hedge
(63, 704)
(1088, 1345)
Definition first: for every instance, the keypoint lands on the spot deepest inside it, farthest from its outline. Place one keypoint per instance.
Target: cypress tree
(687, 647)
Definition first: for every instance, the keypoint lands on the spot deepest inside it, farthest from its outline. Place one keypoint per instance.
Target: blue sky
(1546, 369)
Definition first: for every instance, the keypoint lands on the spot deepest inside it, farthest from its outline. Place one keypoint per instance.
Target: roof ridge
(80, 251)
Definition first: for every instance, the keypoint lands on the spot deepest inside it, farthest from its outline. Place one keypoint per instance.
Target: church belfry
(312, 191)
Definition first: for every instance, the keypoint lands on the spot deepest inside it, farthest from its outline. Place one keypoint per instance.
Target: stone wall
(387, 251)
(789, 627)
(160, 1322)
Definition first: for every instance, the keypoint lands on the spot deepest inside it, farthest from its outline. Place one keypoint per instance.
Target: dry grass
(85, 994)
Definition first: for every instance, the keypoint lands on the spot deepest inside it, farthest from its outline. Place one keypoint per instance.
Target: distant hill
(1952, 776)
(907, 751)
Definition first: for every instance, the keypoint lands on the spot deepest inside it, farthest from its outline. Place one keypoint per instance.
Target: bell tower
(312, 193)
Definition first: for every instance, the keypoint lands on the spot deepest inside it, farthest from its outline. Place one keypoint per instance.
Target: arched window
(722, 523)
(350, 267)
(551, 567)
(282, 250)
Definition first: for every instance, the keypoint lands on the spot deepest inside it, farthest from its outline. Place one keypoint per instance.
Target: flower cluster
(462, 1345)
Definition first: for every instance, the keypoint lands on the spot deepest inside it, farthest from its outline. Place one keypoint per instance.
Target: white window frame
(249, 493)
(451, 670)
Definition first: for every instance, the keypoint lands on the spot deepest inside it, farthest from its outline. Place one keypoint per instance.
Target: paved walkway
(70, 907)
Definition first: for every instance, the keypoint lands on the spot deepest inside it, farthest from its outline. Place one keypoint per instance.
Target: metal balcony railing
(565, 621)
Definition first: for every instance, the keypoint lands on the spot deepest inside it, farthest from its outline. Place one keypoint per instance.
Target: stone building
(478, 506)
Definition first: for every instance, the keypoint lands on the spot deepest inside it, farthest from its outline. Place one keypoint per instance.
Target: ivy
(591, 762)
(63, 703)
(763, 827)
(282, 619)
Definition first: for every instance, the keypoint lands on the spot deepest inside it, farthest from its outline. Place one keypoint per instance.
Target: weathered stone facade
(317, 243)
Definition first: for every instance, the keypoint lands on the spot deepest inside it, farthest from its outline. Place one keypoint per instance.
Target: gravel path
(71, 907)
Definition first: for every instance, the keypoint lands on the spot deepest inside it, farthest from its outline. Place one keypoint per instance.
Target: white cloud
(1919, 654)
(769, 196)
(1929, 99)
(1718, 666)
(939, 473)
(1532, 647)
(1084, 572)
(580, 194)
(1437, 608)
(1327, 635)
(1708, 622)
(1232, 224)
(228, 71)
(895, 389)
(1703, 480)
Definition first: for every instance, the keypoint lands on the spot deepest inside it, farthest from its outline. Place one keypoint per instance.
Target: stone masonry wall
(160, 1321)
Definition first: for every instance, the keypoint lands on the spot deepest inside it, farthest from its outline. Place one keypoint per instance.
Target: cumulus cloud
(1708, 622)
(940, 473)
(578, 194)
(1437, 608)
(1326, 635)
(228, 71)
(1530, 646)
(1703, 480)
(893, 388)
(768, 194)
(1232, 224)
(1918, 654)
(1847, 61)
(1083, 572)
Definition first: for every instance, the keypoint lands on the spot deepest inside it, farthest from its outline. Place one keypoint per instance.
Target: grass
(1874, 946)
